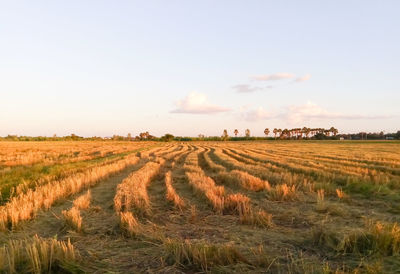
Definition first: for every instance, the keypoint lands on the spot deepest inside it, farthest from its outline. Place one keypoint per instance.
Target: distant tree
(247, 132)
(320, 136)
(118, 137)
(129, 136)
(74, 136)
(299, 133)
(266, 131)
(167, 137)
(150, 137)
(201, 136)
(11, 137)
(236, 132)
(225, 135)
(307, 131)
(145, 135)
(285, 134)
(304, 131)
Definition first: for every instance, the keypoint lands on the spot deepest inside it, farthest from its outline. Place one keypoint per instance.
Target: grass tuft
(129, 224)
(200, 255)
(39, 255)
(83, 201)
(376, 238)
(73, 218)
(283, 192)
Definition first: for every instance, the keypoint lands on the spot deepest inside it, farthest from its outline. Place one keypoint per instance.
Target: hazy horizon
(97, 68)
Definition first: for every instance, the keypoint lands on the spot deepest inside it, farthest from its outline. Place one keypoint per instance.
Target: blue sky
(191, 67)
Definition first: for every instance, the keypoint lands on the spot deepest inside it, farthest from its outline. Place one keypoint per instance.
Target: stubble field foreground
(245, 207)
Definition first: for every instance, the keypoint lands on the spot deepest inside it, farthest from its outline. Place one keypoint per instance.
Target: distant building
(389, 138)
(341, 138)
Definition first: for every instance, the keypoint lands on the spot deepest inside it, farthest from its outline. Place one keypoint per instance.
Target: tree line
(275, 134)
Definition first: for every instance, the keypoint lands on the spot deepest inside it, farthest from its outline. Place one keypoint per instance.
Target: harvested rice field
(200, 207)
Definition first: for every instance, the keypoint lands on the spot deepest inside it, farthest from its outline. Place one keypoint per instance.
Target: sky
(98, 68)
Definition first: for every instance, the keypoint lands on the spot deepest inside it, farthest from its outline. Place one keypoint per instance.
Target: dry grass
(375, 238)
(132, 192)
(73, 218)
(341, 195)
(128, 224)
(321, 204)
(201, 256)
(25, 206)
(283, 192)
(28, 153)
(206, 186)
(240, 205)
(212, 165)
(83, 201)
(231, 191)
(171, 193)
(38, 256)
(244, 180)
(258, 218)
(174, 153)
(237, 203)
(193, 214)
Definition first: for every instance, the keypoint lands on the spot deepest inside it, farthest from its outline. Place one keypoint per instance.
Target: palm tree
(285, 133)
(299, 133)
(308, 130)
(247, 132)
(304, 131)
(333, 130)
(266, 131)
(236, 132)
(280, 132)
(295, 133)
(275, 131)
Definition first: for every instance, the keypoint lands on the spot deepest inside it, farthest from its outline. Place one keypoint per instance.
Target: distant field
(245, 207)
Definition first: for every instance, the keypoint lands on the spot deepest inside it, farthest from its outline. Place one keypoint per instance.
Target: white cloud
(197, 103)
(281, 76)
(245, 88)
(273, 77)
(256, 114)
(303, 78)
(310, 111)
(297, 114)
